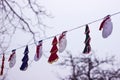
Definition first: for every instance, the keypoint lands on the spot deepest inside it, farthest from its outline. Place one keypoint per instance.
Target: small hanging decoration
(87, 48)
(107, 26)
(12, 59)
(25, 59)
(38, 51)
(53, 57)
(2, 66)
(62, 42)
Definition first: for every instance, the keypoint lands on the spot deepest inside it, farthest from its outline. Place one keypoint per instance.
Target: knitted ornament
(87, 48)
(107, 26)
(2, 66)
(62, 42)
(53, 57)
(12, 59)
(25, 59)
(24, 65)
(38, 51)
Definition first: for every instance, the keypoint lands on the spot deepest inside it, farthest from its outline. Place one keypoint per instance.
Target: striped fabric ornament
(87, 48)
(38, 51)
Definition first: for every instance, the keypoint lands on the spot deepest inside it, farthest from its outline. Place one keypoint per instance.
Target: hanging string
(92, 22)
(31, 61)
(68, 30)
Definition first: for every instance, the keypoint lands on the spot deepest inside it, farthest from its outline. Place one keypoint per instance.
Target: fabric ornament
(38, 51)
(107, 26)
(12, 59)
(25, 59)
(87, 48)
(2, 66)
(62, 42)
(53, 57)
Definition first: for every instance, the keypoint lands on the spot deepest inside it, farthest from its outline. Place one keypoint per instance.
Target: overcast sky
(68, 14)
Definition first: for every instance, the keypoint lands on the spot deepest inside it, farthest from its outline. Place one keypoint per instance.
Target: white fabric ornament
(12, 59)
(62, 42)
(107, 27)
(38, 51)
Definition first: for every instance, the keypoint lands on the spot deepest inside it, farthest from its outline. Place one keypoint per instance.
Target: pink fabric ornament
(62, 42)
(12, 59)
(107, 26)
(2, 66)
(53, 57)
(38, 51)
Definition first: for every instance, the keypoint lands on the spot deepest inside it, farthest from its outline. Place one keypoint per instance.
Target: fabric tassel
(25, 59)
(62, 42)
(107, 26)
(38, 51)
(2, 66)
(12, 59)
(87, 48)
(53, 57)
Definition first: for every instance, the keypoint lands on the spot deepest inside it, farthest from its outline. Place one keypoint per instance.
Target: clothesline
(66, 30)
(53, 57)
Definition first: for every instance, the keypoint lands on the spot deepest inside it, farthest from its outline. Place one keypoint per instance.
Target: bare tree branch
(24, 15)
(14, 16)
(89, 68)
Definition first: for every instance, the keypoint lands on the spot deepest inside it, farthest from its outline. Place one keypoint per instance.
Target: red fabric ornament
(107, 26)
(53, 57)
(38, 51)
(2, 66)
